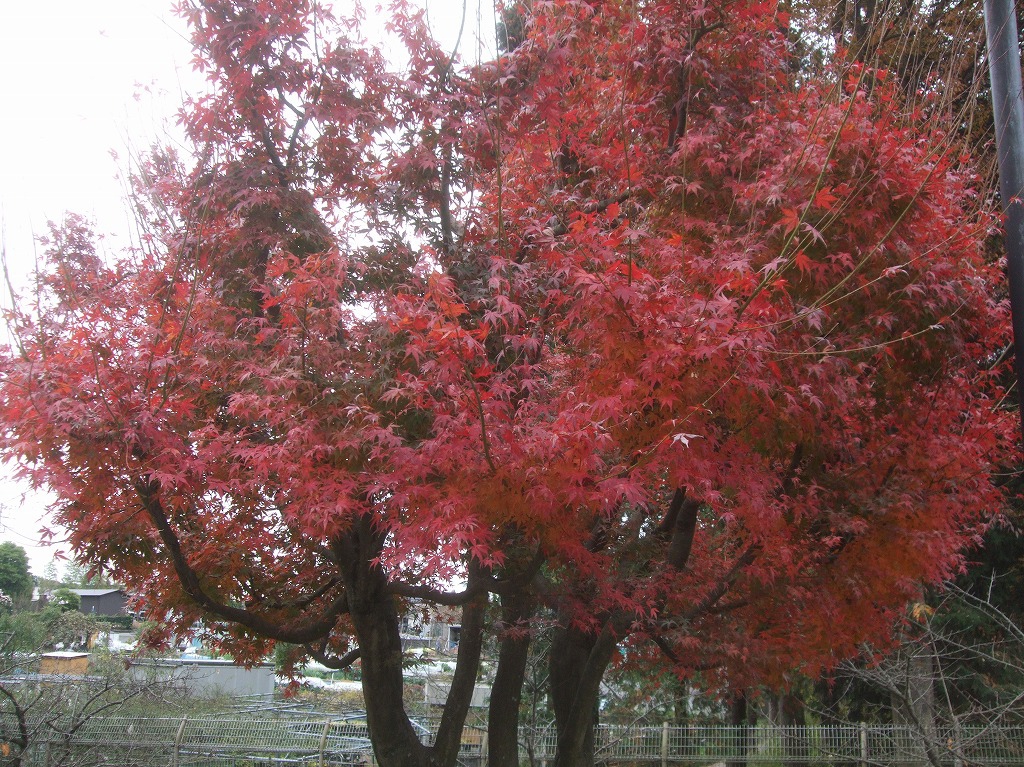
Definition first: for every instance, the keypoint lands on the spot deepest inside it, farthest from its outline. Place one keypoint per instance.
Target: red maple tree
(632, 324)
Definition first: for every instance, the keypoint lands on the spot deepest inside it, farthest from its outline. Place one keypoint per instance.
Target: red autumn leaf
(825, 199)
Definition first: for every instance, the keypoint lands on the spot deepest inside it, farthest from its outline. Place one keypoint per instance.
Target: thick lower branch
(320, 655)
(315, 629)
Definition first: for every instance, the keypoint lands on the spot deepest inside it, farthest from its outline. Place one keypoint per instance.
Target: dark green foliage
(65, 599)
(511, 29)
(22, 632)
(119, 622)
(15, 579)
(996, 572)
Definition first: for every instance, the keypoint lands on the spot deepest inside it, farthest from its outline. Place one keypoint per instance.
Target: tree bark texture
(578, 662)
(507, 690)
(376, 622)
(460, 695)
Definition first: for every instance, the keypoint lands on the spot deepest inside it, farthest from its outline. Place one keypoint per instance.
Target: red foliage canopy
(703, 342)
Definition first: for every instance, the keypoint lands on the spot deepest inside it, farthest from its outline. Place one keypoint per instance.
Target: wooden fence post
(664, 744)
(864, 744)
(179, 736)
(323, 742)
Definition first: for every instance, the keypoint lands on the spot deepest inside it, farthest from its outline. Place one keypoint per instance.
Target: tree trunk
(460, 695)
(395, 742)
(577, 665)
(375, 620)
(738, 719)
(507, 690)
(914, 705)
(794, 745)
(570, 649)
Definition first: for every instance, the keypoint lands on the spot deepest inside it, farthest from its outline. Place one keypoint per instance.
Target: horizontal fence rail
(273, 741)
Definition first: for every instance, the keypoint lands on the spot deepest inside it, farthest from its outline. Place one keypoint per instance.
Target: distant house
(108, 601)
(438, 628)
(64, 663)
(436, 691)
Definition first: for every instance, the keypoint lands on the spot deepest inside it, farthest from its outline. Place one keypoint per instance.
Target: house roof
(65, 654)
(96, 592)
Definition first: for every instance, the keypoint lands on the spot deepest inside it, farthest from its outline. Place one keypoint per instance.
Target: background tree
(65, 600)
(936, 51)
(955, 678)
(15, 578)
(51, 712)
(78, 575)
(641, 499)
(50, 578)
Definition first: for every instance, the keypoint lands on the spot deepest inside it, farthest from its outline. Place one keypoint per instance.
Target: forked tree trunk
(580, 658)
(577, 665)
(375, 620)
(395, 742)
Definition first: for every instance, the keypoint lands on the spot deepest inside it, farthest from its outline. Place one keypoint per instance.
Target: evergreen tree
(15, 579)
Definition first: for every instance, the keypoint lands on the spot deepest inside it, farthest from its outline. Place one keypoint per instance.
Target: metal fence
(852, 745)
(276, 741)
(201, 742)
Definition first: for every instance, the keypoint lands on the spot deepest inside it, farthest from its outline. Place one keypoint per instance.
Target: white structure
(436, 693)
(206, 676)
(437, 627)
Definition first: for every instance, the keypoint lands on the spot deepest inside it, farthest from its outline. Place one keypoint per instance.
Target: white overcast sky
(81, 81)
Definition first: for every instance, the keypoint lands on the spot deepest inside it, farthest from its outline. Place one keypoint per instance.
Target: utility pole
(1008, 112)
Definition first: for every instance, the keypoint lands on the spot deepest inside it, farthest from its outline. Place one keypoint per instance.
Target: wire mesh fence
(840, 745)
(276, 741)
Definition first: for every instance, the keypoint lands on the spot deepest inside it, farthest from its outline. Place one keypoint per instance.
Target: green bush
(119, 622)
(65, 599)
